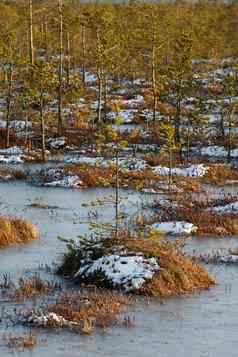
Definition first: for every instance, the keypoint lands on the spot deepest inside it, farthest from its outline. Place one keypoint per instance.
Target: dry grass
(20, 342)
(16, 231)
(5, 173)
(99, 308)
(179, 274)
(220, 175)
(209, 223)
(33, 287)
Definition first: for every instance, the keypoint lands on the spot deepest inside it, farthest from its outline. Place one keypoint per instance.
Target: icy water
(202, 325)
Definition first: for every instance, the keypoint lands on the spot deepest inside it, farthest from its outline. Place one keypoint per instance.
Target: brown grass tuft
(179, 274)
(100, 308)
(16, 231)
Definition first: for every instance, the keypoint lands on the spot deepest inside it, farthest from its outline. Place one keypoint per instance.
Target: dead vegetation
(90, 310)
(220, 175)
(19, 343)
(16, 231)
(33, 287)
(177, 274)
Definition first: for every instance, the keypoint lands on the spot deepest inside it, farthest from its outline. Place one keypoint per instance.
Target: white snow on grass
(229, 208)
(126, 115)
(134, 102)
(229, 259)
(57, 178)
(13, 150)
(14, 159)
(92, 161)
(198, 170)
(217, 151)
(50, 319)
(66, 181)
(175, 227)
(57, 143)
(126, 272)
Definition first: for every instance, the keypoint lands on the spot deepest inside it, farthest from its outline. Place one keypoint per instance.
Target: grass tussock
(33, 287)
(16, 231)
(178, 273)
(19, 343)
(90, 310)
(209, 223)
(220, 175)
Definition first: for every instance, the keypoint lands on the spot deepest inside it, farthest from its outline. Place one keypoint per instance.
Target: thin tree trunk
(60, 118)
(99, 109)
(68, 59)
(117, 195)
(46, 39)
(42, 123)
(31, 37)
(26, 126)
(105, 98)
(84, 54)
(9, 103)
(188, 142)
(170, 169)
(229, 140)
(154, 78)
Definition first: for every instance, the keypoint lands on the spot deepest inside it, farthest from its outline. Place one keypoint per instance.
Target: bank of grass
(178, 273)
(16, 231)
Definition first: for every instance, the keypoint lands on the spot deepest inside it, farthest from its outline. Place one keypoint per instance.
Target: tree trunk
(170, 169)
(42, 124)
(188, 142)
(99, 109)
(9, 102)
(60, 118)
(105, 98)
(155, 100)
(84, 54)
(68, 60)
(31, 38)
(117, 196)
(229, 140)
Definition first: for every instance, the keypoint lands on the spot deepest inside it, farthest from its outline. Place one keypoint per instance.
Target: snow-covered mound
(127, 272)
(199, 170)
(175, 227)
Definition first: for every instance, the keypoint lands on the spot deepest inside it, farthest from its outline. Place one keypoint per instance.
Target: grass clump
(89, 310)
(16, 231)
(220, 175)
(33, 287)
(176, 274)
(20, 343)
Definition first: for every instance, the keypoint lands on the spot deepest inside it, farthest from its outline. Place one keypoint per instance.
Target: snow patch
(199, 170)
(126, 272)
(175, 227)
